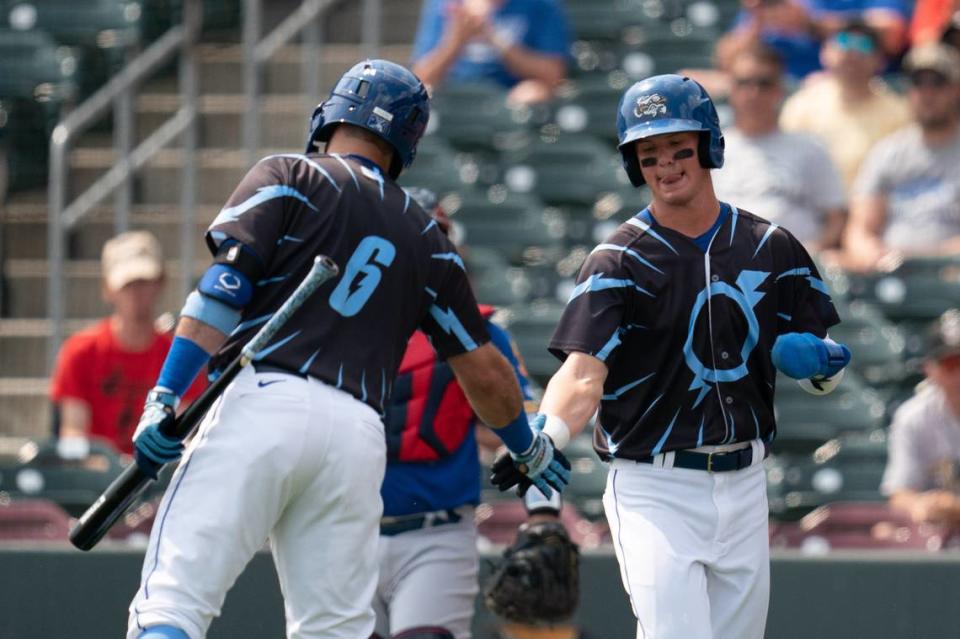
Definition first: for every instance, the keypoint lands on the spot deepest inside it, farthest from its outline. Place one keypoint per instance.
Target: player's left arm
(803, 350)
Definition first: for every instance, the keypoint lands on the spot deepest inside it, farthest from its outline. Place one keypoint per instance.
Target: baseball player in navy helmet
(676, 328)
(294, 450)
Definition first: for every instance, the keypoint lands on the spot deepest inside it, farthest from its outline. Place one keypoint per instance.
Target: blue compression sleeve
(517, 434)
(184, 361)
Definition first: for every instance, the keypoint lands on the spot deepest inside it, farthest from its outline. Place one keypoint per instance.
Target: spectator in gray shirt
(922, 476)
(788, 177)
(906, 199)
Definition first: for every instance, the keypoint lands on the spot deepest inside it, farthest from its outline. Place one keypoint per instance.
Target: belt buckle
(710, 462)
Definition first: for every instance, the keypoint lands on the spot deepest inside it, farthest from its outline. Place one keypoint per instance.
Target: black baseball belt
(390, 526)
(719, 462)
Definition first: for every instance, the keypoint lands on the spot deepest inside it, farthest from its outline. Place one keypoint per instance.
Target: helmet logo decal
(386, 115)
(650, 106)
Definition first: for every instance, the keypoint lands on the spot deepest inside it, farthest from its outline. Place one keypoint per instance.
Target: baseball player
(294, 450)
(675, 329)
(428, 539)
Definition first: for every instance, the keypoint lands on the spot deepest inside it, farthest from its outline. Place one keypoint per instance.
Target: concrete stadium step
(23, 343)
(398, 26)
(283, 119)
(24, 407)
(221, 67)
(25, 230)
(159, 182)
(27, 282)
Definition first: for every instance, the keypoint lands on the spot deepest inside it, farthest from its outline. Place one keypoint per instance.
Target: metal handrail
(117, 93)
(305, 19)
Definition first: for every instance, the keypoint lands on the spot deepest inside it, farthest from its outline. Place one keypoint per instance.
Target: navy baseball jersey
(398, 272)
(686, 330)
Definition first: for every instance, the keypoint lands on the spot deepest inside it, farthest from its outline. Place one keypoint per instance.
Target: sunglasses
(858, 42)
(762, 83)
(928, 79)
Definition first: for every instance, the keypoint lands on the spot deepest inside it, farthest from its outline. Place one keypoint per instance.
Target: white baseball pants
(279, 457)
(428, 577)
(693, 548)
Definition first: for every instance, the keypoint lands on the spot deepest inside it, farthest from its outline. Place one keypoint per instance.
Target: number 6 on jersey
(372, 251)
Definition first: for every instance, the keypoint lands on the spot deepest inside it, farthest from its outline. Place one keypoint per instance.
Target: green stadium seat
(34, 67)
(519, 227)
(795, 487)
(494, 280)
(918, 290)
(39, 473)
(532, 327)
(878, 346)
(565, 170)
(25, 127)
(805, 421)
(438, 167)
(105, 31)
(589, 106)
(476, 117)
(592, 22)
(588, 476)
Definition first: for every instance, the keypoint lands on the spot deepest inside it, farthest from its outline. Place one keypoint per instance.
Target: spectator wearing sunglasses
(789, 176)
(906, 200)
(848, 107)
(888, 19)
(922, 476)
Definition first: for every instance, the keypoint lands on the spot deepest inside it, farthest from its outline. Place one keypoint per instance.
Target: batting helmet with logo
(382, 97)
(667, 104)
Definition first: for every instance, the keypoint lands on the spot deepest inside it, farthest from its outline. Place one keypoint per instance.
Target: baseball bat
(124, 490)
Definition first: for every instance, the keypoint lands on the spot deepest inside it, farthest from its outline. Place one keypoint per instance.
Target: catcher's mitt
(538, 580)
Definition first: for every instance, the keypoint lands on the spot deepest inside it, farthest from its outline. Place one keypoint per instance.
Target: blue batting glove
(541, 463)
(152, 448)
(806, 356)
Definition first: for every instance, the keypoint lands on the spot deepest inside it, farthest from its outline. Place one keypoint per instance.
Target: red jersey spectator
(104, 372)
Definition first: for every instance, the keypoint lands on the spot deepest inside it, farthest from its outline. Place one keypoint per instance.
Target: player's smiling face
(670, 166)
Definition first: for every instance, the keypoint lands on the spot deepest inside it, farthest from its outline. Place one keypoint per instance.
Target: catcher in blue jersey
(675, 330)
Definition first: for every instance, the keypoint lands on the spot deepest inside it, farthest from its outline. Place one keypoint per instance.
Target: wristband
(184, 361)
(517, 435)
(536, 502)
(558, 431)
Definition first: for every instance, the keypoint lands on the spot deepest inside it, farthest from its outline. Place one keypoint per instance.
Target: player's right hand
(542, 465)
(152, 448)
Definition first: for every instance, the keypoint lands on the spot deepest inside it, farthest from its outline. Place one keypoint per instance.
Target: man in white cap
(103, 372)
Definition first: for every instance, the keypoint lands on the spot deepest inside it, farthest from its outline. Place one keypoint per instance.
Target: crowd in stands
(845, 130)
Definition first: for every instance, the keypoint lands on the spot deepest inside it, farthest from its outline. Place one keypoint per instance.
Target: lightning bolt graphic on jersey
(451, 325)
(746, 296)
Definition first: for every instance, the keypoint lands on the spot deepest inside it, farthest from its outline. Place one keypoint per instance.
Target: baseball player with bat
(428, 538)
(676, 328)
(294, 451)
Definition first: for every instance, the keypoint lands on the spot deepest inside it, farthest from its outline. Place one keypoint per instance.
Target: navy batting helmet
(382, 97)
(667, 104)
